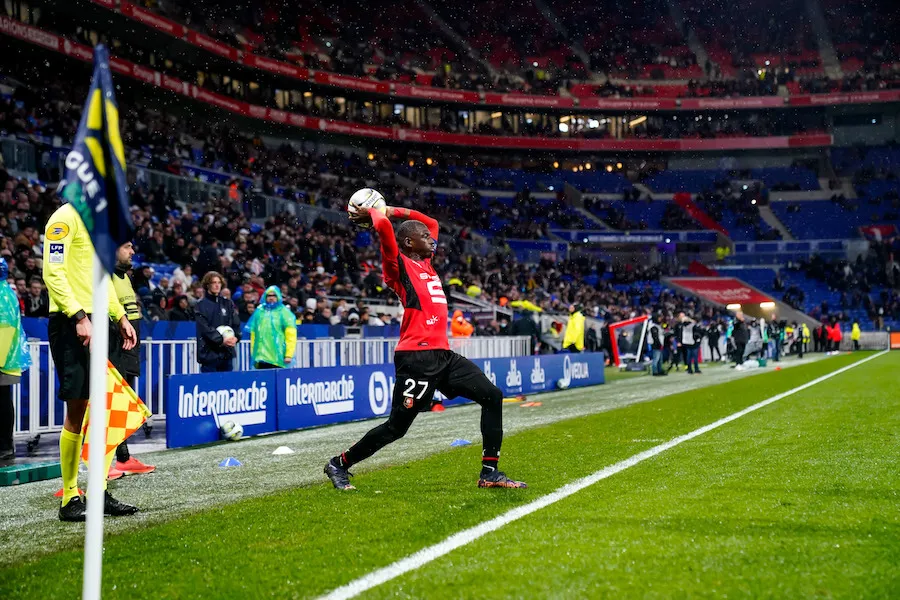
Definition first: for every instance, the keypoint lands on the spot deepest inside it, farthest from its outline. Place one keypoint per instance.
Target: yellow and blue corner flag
(94, 181)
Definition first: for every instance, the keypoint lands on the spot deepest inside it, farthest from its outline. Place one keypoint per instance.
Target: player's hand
(84, 331)
(288, 360)
(230, 341)
(129, 336)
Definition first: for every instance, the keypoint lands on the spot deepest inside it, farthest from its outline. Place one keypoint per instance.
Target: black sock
(122, 453)
(489, 464)
(341, 461)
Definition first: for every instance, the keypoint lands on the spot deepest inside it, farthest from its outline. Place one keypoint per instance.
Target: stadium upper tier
(449, 53)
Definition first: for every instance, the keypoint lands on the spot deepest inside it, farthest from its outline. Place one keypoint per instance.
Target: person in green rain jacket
(14, 359)
(273, 332)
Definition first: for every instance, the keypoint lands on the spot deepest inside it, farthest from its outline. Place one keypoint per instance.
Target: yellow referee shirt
(69, 266)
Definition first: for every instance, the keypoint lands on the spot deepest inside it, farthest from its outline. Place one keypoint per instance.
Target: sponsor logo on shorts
(57, 231)
(57, 254)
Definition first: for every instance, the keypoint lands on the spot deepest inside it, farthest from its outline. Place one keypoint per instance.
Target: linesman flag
(94, 181)
(125, 412)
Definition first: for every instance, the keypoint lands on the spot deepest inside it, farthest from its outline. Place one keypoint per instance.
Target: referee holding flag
(92, 223)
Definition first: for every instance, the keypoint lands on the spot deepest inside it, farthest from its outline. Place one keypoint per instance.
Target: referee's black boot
(73, 511)
(114, 508)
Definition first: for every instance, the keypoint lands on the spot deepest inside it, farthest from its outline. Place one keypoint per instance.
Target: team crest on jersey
(224, 312)
(408, 402)
(57, 231)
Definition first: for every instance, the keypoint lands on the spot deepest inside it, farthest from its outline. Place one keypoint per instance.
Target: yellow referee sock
(106, 464)
(69, 457)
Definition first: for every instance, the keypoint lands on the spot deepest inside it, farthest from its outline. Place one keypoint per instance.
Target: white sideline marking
(457, 540)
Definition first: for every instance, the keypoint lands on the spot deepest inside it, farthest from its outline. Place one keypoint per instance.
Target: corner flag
(94, 181)
(125, 413)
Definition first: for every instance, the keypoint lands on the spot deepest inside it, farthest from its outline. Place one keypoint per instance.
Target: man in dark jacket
(656, 337)
(182, 310)
(526, 325)
(741, 335)
(216, 352)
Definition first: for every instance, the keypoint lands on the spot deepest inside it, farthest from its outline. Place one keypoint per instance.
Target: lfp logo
(328, 397)
(244, 405)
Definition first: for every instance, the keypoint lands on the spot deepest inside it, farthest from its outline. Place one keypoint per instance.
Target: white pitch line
(460, 539)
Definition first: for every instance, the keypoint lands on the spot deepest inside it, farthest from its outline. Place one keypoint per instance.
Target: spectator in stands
(37, 304)
(156, 307)
(573, 340)
(855, 334)
(184, 275)
(215, 316)
(526, 323)
(273, 332)
(182, 310)
(459, 326)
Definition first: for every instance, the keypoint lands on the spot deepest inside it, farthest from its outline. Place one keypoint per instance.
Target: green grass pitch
(798, 499)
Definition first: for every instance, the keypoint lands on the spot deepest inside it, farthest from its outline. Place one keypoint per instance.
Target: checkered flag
(125, 412)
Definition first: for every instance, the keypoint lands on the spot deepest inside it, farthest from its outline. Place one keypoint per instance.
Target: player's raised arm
(389, 250)
(407, 213)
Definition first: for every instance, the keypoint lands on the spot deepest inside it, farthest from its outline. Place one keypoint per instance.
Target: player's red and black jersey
(418, 286)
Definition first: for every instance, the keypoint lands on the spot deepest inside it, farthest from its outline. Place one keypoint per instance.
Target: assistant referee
(68, 267)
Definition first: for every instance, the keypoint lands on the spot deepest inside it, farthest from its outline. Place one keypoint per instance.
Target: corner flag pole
(93, 539)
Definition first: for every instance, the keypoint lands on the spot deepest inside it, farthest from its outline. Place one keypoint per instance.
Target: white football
(366, 197)
(225, 331)
(231, 431)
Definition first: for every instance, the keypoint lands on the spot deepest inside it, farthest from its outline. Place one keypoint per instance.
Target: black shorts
(71, 358)
(420, 372)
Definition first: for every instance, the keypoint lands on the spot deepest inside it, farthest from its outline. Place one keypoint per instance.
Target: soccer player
(68, 273)
(423, 360)
(127, 362)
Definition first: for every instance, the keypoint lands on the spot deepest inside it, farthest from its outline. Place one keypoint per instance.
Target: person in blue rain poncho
(273, 332)
(14, 359)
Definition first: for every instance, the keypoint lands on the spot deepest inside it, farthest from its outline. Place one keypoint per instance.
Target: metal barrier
(868, 340)
(18, 155)
(38, 409)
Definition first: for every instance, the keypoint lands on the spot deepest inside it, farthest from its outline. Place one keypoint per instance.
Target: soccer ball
(231, 431)
(366, 197)
(225, 331)
(563, 383)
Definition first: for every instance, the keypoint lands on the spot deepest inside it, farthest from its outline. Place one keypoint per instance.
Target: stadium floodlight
(733, 306)
(767, 305)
